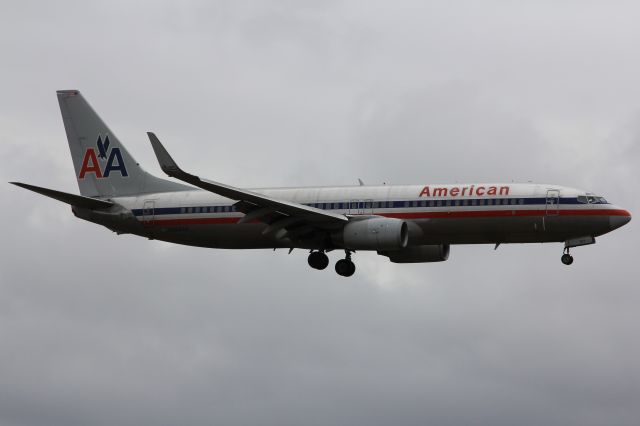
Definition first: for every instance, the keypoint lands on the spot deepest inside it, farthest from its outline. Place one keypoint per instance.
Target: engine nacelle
(374, 233)
(418, 254)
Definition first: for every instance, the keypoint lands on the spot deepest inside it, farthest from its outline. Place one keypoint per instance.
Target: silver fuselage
(437, 214)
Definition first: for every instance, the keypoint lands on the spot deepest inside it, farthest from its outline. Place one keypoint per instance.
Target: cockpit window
(591, 199)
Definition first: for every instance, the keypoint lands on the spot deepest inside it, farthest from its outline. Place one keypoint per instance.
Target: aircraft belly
(229, 236)
(443, 230)
(517, 229)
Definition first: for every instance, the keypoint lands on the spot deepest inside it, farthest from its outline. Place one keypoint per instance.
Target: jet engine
(374, 233)
(418, 254)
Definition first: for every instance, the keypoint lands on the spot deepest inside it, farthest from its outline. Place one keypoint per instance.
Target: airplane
(406, 224)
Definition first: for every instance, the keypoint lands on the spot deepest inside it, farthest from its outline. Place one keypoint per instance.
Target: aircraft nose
(621, 218)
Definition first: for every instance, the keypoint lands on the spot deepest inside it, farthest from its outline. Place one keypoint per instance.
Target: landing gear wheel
(318, 260)
(345, 267)
(567, 259)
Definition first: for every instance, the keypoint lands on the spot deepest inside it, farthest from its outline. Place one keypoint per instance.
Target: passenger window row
(394, 204)
(206, 209)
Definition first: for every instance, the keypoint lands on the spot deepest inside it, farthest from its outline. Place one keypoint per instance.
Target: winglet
(167, 164)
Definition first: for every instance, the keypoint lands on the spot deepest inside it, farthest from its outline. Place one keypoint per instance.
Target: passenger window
(474, 202)
(182, 210)
(439, 203)
(432, 203)
(457, 202)
(513, 201)
(448, 203)
(521, 201)
(465, 202)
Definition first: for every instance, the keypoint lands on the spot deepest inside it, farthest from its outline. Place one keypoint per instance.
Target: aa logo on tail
(106, 162)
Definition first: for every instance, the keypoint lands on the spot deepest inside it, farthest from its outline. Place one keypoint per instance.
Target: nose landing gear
(566, 258)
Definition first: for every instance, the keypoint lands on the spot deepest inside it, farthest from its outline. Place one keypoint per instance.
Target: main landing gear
(566, 258)
(318, 260)
(344, 267)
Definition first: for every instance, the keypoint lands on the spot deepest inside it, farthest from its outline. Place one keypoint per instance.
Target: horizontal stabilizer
(65, 197)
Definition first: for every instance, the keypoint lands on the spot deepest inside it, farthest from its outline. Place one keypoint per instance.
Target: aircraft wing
(278, 213)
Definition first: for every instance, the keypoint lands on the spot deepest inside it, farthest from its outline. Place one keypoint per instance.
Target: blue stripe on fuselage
(342, 205)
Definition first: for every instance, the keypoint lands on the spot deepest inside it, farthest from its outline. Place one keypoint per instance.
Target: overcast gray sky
(97, 329)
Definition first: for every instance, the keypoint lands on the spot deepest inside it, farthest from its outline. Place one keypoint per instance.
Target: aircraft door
(355, 207)
(148, 212)
(361, 207)
(553, 203)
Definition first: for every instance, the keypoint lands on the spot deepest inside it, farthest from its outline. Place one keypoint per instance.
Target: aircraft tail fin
(103, 166)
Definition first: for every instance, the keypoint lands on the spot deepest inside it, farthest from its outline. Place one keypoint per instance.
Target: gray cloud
(99, 329)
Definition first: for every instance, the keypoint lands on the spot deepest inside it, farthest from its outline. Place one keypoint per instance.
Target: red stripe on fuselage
(506, 213)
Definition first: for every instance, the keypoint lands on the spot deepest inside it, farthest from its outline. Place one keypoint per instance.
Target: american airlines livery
(407, 224)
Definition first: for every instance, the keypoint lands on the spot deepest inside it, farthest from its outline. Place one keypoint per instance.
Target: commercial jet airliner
(407, 224)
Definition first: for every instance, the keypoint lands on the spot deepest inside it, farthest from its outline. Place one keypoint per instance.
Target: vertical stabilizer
(103, 166)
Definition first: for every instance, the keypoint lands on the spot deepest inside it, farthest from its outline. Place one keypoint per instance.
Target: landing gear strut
(566, 258)
(345, 267)
(318, 260)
